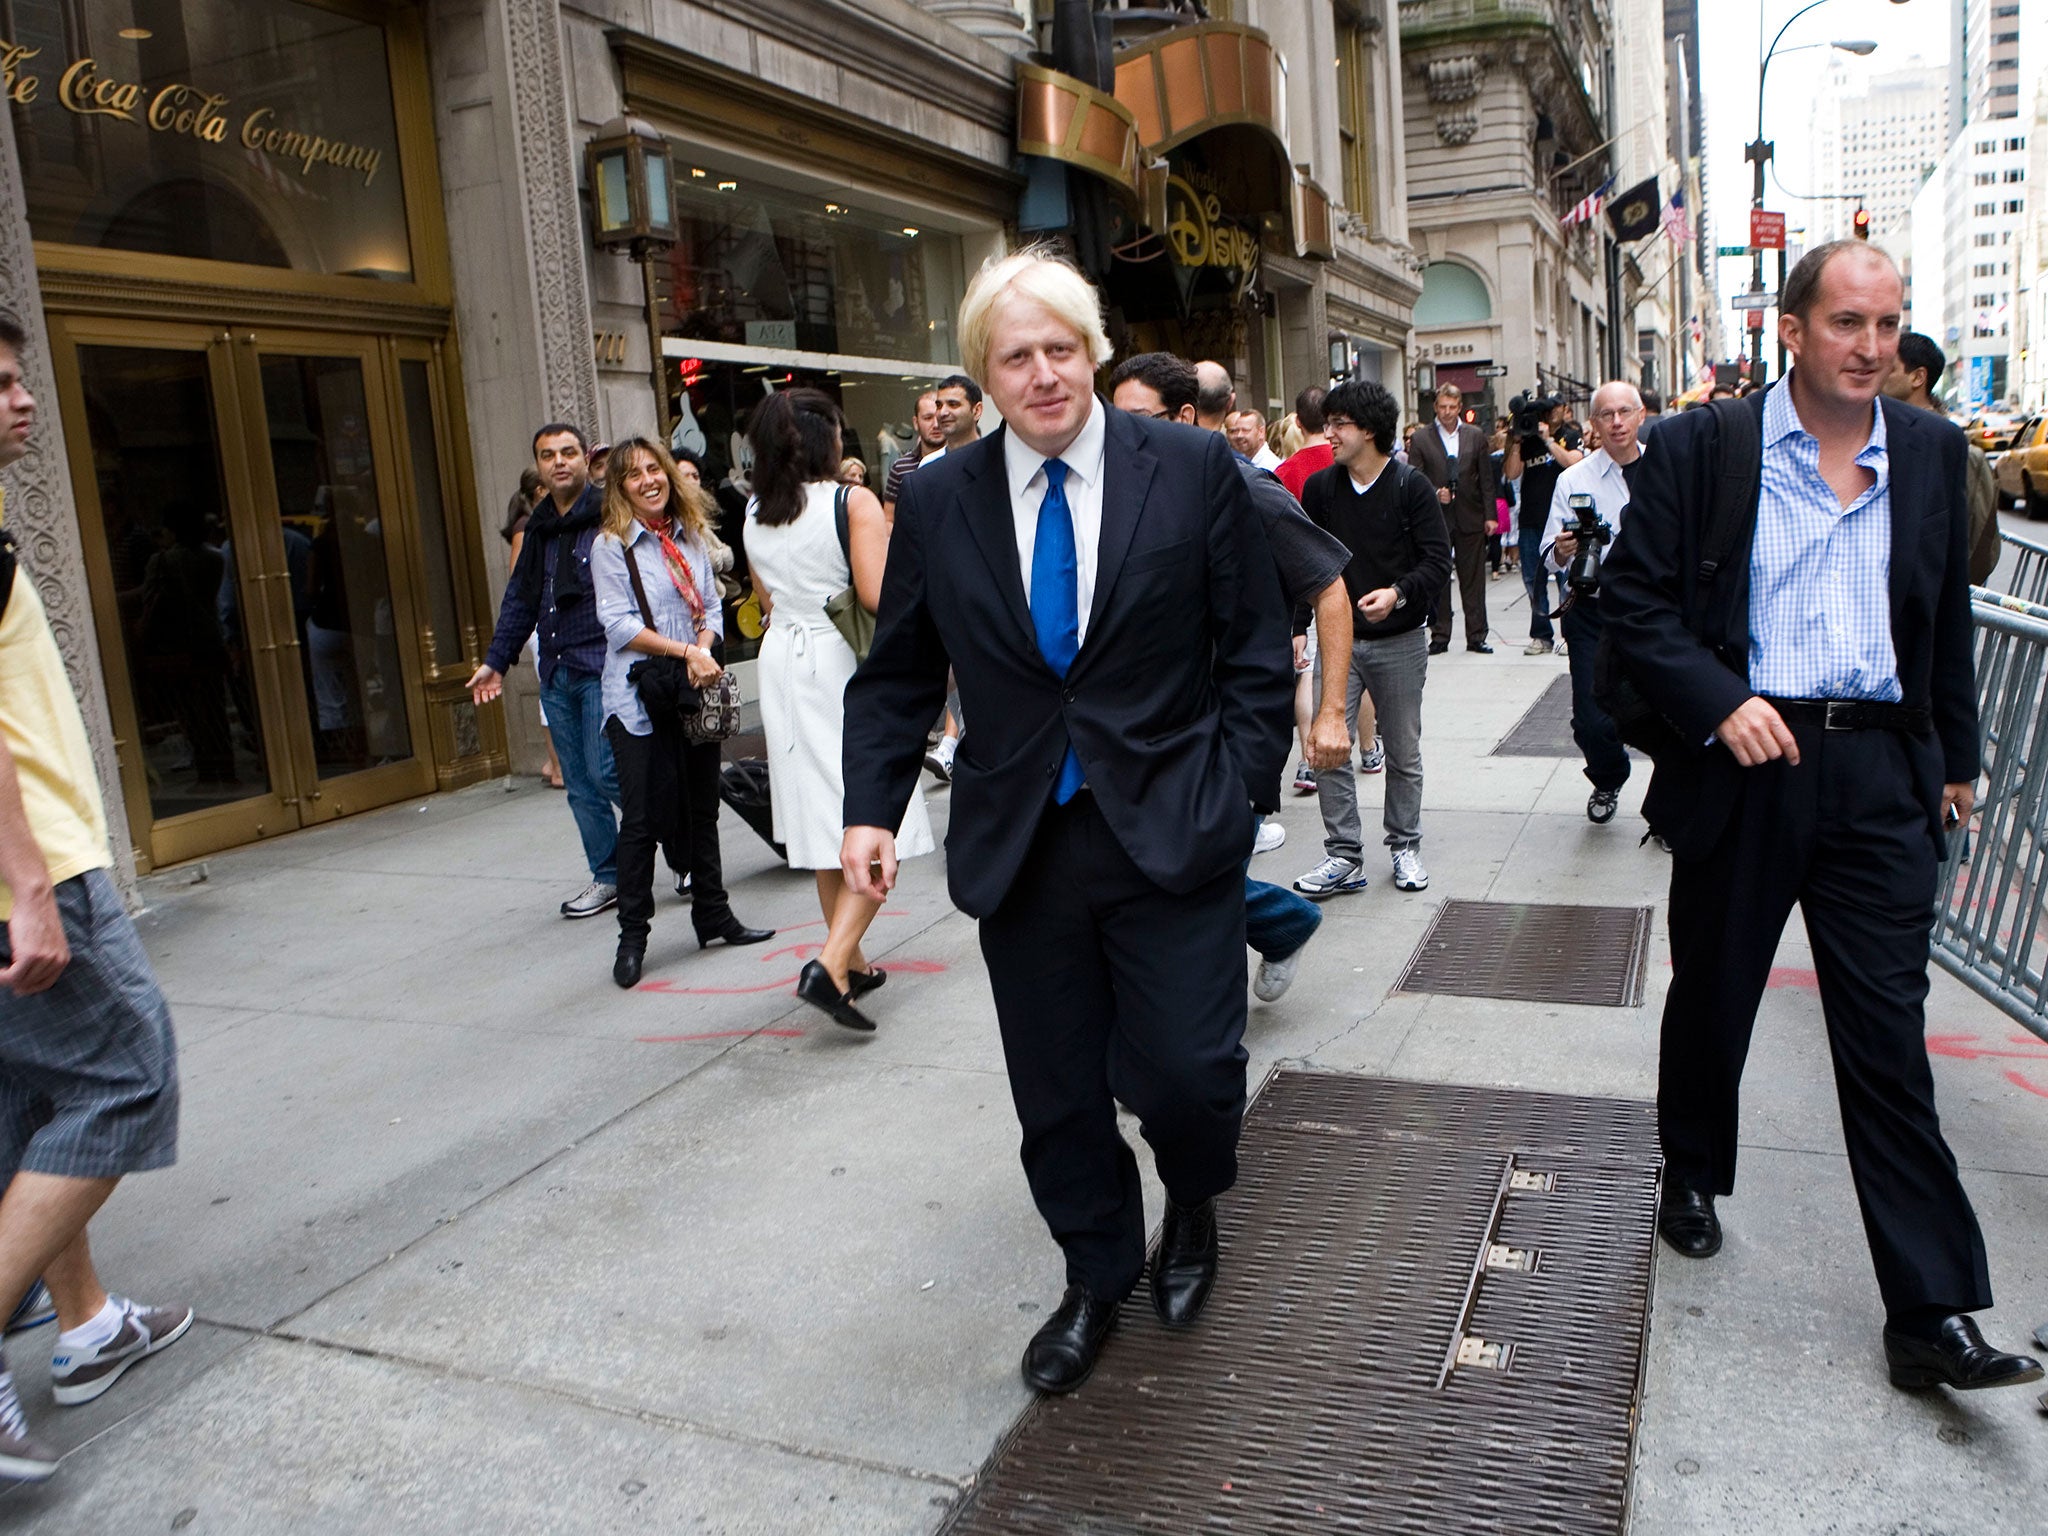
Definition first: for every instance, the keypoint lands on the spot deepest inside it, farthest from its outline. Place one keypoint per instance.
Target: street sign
(1753, 301)
(1756, 320)
(1766, 230)
(1731, 250)
(1492, 371)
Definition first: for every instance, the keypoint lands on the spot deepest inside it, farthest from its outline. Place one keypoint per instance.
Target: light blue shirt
(1820, 618)
(619, 611)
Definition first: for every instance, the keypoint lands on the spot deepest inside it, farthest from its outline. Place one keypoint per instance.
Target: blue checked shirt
(1820, 620)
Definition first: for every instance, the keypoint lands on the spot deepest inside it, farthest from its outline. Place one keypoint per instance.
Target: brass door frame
(241, 821)
(325, 798)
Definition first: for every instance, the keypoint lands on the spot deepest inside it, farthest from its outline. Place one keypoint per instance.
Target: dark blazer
(1471, 508)
(1697, 683)
(1178, 705)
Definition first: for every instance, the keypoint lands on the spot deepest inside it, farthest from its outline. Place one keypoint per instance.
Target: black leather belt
(1856, 714)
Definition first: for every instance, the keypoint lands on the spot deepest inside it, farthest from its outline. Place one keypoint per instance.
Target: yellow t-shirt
(45, 732)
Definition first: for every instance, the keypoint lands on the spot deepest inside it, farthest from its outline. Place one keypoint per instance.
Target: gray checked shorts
(89, 1069)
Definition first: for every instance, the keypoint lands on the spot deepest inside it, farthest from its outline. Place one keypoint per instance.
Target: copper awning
(1066, 119)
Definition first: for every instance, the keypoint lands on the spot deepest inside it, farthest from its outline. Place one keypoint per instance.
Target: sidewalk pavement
(480, 1242)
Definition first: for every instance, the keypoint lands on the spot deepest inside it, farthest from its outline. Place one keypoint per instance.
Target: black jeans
(668, 794)
(1599, 742)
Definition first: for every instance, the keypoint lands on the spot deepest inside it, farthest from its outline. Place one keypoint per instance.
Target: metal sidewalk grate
(1533, 953)
(1545, 729)
(1430, 1319)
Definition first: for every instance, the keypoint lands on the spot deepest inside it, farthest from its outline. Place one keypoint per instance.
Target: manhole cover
(1430, 1319)
(1533, 953)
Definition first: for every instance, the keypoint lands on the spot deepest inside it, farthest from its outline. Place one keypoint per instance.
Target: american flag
(1675, 224)
(1589, 206)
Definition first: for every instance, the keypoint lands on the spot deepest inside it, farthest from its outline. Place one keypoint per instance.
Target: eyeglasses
(1339, 424)
(1160, 415)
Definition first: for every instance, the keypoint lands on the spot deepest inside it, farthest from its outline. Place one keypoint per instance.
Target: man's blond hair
(1040, 274)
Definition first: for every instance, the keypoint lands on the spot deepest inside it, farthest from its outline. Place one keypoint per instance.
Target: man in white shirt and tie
(1602, 474)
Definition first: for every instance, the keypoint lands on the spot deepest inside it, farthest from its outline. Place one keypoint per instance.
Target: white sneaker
(594, 898)
(1560, 650)
(1374, 758)
(1271, 835)
(1276, 976)
(22, 1457)
(1332, 877)
(1409, 875)
(1536, 648)
(80, 1375)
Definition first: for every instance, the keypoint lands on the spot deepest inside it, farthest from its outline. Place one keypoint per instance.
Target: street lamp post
(1760, 148)
(633, 209)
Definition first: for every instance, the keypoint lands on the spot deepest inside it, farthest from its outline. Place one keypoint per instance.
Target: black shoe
(733, 931)
(1062, 1353)
(814, 986)
(861, 983)
(1686, 1220)
(1482, 648)
(1439, 647)
(1601, 805)
(683, 886)
(1184, 1268)
(626, 969)
(1957, 1357)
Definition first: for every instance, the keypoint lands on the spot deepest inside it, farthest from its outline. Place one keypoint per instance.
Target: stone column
(42, 515)
(999, 23)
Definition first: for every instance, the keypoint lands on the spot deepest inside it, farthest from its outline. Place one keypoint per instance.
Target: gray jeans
(1392, 672)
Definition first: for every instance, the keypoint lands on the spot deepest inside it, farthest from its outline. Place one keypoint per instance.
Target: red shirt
(1294, 471)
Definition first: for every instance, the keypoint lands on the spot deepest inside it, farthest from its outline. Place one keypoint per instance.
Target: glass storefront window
(763, 266)
(257, 131)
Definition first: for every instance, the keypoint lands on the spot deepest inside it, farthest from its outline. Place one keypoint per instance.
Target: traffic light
(1862, 223)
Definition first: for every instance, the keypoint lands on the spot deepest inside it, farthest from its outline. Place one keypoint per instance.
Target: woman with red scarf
(657, 528)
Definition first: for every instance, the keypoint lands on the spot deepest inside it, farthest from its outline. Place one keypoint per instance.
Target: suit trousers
(1109, 988)
(668, 793)
(1469, 552)
(1844, 835)
(1592, 728)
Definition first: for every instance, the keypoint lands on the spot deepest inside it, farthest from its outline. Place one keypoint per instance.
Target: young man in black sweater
(1387, 515)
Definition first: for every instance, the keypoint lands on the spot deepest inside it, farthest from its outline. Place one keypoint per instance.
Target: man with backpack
(1790, 613)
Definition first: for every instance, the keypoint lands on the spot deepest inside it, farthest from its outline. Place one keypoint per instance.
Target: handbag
(707, 714)
(854, 623)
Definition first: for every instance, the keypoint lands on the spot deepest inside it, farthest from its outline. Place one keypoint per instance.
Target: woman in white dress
(798, 562)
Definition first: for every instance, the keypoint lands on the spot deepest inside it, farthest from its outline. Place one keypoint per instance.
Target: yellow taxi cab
(2024, 466)
(1991, 431)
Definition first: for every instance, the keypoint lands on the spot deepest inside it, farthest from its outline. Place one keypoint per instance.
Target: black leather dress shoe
(814, 986)
(1184, 1268)
(1957, 1357)
(1482, 648)
(1062, 1353)
(626, 969)
(1439, 647)
(733, 931)
(861, 983)
(1686, 1220)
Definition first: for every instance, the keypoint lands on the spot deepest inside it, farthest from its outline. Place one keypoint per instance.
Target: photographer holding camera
(1540, 448)
(1599, 482)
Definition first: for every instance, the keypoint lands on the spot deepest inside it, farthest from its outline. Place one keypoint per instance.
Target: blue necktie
(1055, 606)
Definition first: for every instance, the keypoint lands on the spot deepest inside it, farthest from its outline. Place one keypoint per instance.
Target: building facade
(304, 276)
(1874, 142)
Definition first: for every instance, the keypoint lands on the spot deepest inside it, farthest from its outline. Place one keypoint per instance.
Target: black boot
(626, 968)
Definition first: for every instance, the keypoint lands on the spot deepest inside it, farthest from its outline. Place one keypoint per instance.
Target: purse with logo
(707, 714)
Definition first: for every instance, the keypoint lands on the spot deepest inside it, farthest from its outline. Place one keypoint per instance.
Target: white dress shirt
(1448, 436)
(1597, 476)
(1025, 467)
(1266, 458)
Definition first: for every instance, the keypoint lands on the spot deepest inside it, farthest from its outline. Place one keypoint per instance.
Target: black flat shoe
(1439, 647)
(626, 968)
(1184, 1268)
(861, 983)
(1957, 1357)
(814, 986)
(1686, 1220)
(1063, 1352)
(1482, 648)
(734, 932)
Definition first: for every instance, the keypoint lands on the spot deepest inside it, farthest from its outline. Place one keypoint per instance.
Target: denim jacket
(619, 610)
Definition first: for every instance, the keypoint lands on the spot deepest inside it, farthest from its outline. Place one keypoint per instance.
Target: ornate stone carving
(1457, 78)
(553, 214)
(993, 21)
(1457, 127)
(41, 514)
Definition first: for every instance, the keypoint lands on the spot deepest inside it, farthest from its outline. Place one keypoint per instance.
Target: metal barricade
(1990, 930)
(2027, 578)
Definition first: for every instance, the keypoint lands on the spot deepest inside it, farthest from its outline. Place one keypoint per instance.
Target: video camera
(1529, 412)
(1593, 535)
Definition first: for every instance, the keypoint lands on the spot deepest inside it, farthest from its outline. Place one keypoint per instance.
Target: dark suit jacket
(1178, 705)
(1472, 508)
(1697, 683)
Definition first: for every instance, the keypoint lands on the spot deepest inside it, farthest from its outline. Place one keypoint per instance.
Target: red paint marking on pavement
(722, 1034)
(1964, 1048)
(784, 984)
(2019, 1080)
(1792, 976)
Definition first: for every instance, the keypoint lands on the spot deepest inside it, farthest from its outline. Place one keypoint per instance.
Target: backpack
(1738, 451)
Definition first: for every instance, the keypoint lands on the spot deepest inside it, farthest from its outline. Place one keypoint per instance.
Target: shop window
(260, 132)
(1354, 111)
(1452, 295)
(762, 266)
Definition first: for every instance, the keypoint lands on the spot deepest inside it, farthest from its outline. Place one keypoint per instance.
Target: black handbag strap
(839, 500)
(639, 591)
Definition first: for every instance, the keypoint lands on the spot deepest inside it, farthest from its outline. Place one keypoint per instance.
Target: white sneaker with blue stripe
(35, 1310)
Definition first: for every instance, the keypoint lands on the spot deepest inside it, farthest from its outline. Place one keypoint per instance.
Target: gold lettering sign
(182, 109)
(1198, 235)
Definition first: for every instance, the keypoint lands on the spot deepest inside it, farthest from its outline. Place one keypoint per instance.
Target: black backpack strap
(1739, 469)
(9, 565)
